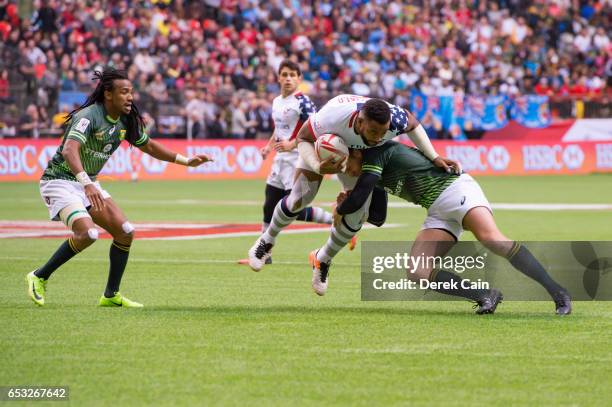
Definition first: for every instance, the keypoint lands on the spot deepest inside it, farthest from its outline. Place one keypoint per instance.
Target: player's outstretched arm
(71, 153)
(419, 137)
(159, 151)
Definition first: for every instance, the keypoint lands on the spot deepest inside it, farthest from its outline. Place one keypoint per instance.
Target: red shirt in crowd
(543, 89)
(4, 88)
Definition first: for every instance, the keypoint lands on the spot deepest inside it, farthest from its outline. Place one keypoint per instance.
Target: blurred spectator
(194, 111)
(45, 17)
(5, 95)
(239, 123)
(158, 89)
(68, 83)
(31, 122)
(265, 124)
(217, 127)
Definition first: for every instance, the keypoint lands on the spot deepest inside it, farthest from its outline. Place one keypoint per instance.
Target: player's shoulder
(92, 111)
(86, 118)
(302, 98)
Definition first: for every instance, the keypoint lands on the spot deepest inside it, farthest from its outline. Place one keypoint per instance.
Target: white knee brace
(73, 212)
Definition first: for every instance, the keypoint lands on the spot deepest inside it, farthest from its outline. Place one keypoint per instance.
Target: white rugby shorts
(59, 193)
(449, 209)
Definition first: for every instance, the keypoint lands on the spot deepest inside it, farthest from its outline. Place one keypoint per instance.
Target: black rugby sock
(65, 252)
(443, 276)
(118, 255)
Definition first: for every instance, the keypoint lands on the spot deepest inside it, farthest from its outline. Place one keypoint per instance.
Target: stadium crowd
(207, 68)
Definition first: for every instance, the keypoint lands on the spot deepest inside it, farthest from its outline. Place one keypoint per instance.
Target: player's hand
(337, 217)
(264, 151)
(95, 197)
(284, 146)
(339, 199)
(198, 160)
(448, 165)
(342, 197)
(329, 166)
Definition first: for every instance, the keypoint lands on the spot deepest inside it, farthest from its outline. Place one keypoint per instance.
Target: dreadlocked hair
(134, 121)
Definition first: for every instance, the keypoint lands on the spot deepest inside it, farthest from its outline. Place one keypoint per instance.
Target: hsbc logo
(498, 158)
(573, 157)
(249, 159)
(604, 155)
(480, 158)
(555, 157)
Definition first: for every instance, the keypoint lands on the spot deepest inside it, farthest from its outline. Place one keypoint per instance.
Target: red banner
(25, 159)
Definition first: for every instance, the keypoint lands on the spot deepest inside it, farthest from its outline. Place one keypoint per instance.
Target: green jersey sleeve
(81, 128)
(375, 159)
(143, 139)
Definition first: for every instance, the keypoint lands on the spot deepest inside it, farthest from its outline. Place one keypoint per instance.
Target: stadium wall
(25, 159)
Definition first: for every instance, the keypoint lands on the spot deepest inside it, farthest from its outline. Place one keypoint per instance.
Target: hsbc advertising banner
(520, 158)
(25, 159)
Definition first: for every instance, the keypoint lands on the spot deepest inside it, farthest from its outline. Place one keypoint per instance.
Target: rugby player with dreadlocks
(70, 190)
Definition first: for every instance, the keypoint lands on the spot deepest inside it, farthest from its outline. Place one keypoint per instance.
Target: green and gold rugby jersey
(99, 136)
(405, 172)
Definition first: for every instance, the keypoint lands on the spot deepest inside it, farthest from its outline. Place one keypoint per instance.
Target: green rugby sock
(521, 258)
(65, 252)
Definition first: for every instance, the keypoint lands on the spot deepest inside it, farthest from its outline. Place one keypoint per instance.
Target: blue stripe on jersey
(399, 120)
(307, 107)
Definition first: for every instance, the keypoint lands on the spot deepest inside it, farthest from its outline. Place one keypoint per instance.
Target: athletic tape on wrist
(83, 178)
(181, 159)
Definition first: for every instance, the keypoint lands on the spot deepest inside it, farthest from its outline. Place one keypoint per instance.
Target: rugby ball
(330, 145)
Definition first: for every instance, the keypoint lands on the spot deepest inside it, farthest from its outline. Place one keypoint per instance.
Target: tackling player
(289, 111)
(69, 188)
(453, 203)
(362, 123)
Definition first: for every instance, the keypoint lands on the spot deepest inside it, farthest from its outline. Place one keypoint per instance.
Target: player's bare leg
(481, 223)
(305, 188)
(437, 242)
(112, 219)
(84, 234)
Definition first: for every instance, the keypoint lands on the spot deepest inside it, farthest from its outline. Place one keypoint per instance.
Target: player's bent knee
(127, 228)
(86, 237)
(127, 233)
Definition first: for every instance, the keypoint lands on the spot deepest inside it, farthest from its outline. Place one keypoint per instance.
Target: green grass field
(215, 333)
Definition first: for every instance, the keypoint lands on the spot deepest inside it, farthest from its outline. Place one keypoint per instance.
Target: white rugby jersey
(338, 117)
(290, 113)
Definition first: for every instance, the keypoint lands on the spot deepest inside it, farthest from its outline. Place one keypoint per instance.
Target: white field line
(135, 259)
(394, 204)
(258, 233)
(52, 229)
